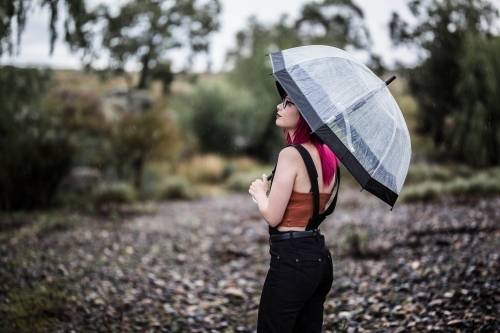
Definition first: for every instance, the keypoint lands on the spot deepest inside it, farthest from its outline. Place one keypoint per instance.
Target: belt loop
(291, 235)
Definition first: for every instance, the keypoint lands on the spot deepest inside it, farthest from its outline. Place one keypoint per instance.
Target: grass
(39, 308)
(39, 223)
(32, 305)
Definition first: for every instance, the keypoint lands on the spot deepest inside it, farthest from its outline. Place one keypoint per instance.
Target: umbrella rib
(381, 160)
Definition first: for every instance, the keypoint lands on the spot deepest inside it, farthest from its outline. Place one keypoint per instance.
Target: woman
(300, 274)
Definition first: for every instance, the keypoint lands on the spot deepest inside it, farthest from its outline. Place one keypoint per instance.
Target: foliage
(81, 113)
(44, 303)
(333, 22)
(440, 30)
(13, 13)
(424, 172)
(251, 72)
(177, 188)
(163, 73)
(145, 30)
(112, 194)
(35, 147)
(475, 134)
(205, 169)
(482, 183)
(337, 23)
(221, 117)
(138, 137)
(241, 181)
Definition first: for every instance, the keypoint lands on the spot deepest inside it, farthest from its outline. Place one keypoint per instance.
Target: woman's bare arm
(273, 209)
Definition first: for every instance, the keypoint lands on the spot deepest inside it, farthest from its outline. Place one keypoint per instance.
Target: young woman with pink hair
(301, 273)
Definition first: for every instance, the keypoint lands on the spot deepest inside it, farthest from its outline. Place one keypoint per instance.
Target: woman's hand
(259, 188)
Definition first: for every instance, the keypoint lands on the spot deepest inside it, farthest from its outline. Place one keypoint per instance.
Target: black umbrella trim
(355, 168)
(288, 84)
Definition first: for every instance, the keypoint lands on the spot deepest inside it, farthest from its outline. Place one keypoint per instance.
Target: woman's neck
(291, 133)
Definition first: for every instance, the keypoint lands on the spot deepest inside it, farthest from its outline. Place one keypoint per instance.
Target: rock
(435, 302)
(235, 295)
(455, 322)
(344, 314)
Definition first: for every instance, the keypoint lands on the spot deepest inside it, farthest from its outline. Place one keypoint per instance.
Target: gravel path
(199, 267)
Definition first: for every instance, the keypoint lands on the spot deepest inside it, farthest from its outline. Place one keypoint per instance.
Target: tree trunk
(144, 71)
(138, 164)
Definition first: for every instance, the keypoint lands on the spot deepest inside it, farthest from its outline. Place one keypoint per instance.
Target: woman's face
(287, 115)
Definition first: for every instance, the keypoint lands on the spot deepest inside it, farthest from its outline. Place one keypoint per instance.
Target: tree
(148, 135)
(440, 30)
(145, 30)
(251, 72)
(331, 22)
(475, 136)
(13, 13)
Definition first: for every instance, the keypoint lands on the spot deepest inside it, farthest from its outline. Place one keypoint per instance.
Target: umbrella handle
(392, 78)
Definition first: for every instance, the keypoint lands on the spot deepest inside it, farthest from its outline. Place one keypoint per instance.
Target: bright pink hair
(329, 162)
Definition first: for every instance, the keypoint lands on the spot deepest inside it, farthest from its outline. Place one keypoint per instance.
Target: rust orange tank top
(300, 209)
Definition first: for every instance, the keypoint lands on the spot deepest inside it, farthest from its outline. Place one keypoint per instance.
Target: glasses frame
(285, 102)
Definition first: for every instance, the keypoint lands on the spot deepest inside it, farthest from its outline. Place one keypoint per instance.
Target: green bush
(177, 188)
(482, 184)
(228, 121)
(205, 169)
(424, 172)
(426, 191)
(114, 193)
(240, 181)
(486, 182)
(35, 149)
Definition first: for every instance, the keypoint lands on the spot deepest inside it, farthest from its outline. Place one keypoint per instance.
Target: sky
(34, 50)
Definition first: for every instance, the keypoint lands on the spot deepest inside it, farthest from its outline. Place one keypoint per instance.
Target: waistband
(293, 235)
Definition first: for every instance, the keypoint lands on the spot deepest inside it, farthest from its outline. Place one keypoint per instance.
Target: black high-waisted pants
(299, 278)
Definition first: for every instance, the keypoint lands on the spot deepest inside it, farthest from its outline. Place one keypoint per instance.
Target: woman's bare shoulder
(288, 154)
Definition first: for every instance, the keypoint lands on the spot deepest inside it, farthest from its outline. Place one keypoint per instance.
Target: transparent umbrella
(352, 111)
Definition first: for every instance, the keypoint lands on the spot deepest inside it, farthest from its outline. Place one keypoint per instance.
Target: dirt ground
(199, 267)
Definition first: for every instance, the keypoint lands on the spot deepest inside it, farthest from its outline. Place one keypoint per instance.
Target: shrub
(35, 149)
(229, 121)
(114, 193)
(422, 192)
(177, 188)
(424, 172)
(240, 181)
(485, 182)
(206, 169)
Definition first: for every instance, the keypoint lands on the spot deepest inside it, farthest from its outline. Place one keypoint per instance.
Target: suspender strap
(317, 218)
(313, 176)
(331, 208)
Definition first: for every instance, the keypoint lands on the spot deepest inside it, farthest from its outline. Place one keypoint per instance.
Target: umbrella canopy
(352, 111)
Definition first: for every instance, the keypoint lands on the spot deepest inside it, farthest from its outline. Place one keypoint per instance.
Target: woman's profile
(301, 273)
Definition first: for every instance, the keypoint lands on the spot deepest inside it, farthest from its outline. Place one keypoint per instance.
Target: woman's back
(302, 182)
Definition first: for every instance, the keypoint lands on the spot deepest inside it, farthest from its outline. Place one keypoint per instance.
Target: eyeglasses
(285, 102)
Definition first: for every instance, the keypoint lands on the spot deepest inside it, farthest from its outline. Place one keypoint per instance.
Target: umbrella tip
(390, 80)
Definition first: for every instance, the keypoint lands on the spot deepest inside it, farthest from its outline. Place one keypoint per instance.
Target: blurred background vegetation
(96, 138)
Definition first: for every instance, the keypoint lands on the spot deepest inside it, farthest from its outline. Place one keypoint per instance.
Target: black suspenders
(317, 218)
